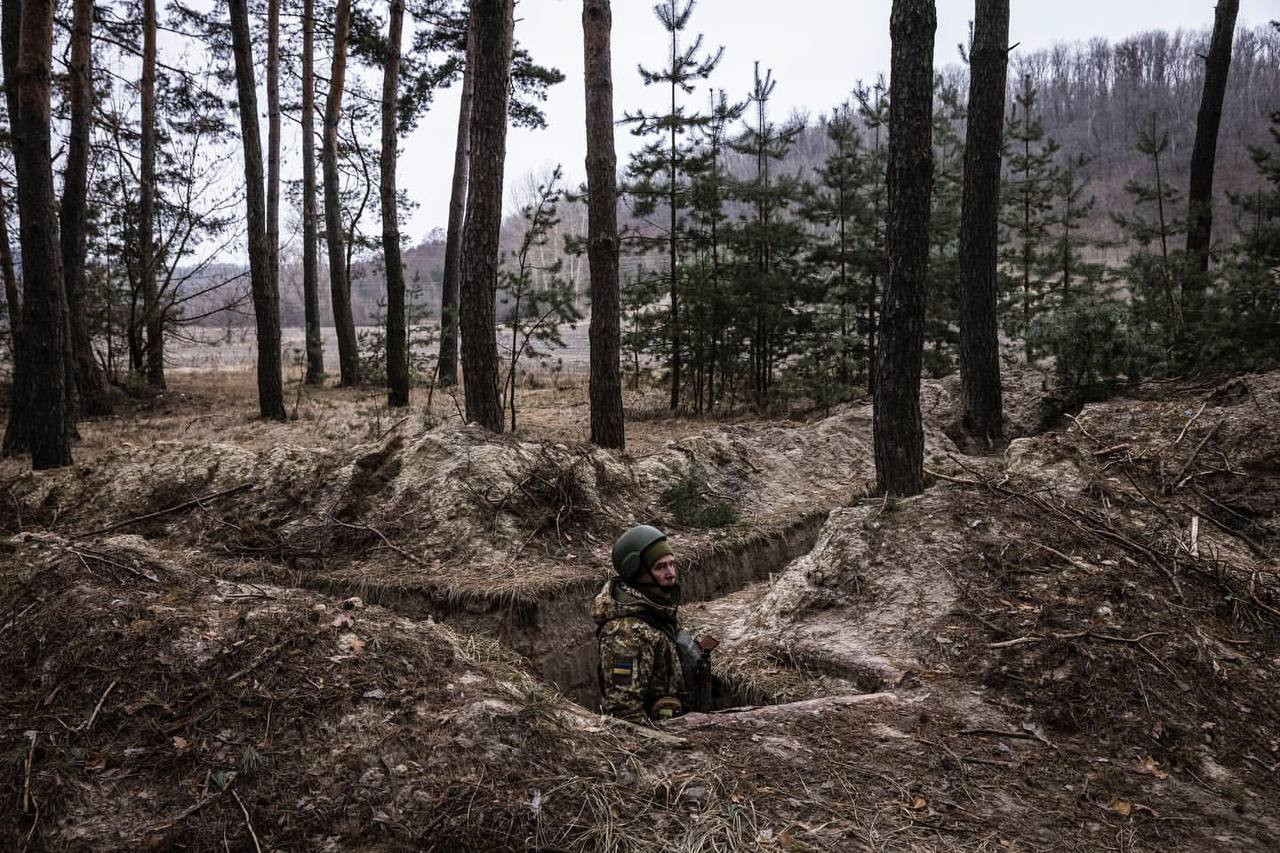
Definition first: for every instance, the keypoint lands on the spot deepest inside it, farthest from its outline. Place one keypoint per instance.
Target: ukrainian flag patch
(622, 669)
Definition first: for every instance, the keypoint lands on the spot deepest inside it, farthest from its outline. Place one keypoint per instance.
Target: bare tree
(397, 333)
(91, 385)
(493, 23)
(266, 299)
(979, 224)
(898, 434)
(154, 316)
(448, 361)
(11, 296)
(1204, 152)
(310, 263)
(41, 396)
(339, 283)
(605, 391)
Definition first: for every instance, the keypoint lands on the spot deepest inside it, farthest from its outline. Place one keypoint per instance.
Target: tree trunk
(266, 299)
(91, 385)
(17, 429)
(339, 286)
(41, 398)
(605, 387)
(310, 263)
(1204, 152)
(12, 297)
(273, 145)
(397, 333)
(899, 437)
(493, 22)
(448, 362)
(979, 225)
(152, 313)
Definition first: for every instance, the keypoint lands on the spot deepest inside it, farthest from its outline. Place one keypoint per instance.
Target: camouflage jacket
(640, 673)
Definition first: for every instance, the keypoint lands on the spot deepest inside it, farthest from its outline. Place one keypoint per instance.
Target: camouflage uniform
(640, 672)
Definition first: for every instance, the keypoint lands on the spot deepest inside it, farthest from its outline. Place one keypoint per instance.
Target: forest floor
(365, 630)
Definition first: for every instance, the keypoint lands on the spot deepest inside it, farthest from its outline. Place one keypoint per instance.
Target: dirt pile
(1075, 646)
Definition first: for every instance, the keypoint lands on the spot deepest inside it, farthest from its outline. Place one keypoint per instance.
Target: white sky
(816, 48)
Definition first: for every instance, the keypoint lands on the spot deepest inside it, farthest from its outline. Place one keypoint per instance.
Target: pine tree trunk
(493, 22)
(397, 333)
(91, 386)
(448, 361)
(979, 225)
(152, 313)
(273, 144)
(266, 299)
(605, 386)
(310, 261)
(899, 437)
(339, 286)
(1205, 150)
(41, 398)
(12, 296)
(17, 428)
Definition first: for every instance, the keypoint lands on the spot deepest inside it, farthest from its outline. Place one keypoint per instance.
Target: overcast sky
(817, 49)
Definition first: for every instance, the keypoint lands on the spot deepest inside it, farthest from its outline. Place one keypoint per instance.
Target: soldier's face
(664, 572)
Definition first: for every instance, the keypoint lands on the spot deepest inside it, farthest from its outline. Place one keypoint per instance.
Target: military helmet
(630, 546)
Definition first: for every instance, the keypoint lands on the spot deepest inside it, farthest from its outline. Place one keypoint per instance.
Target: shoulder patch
(621, 674)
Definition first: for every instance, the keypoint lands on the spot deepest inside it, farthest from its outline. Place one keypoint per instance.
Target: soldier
(650, 670)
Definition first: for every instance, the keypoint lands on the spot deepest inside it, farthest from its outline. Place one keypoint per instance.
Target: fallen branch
(185, 813)
(96, 708)
(26, 774)
(166, 511)
(385, 541)
(1187, 425)
(1182, 474)
(770, 713)
(248, 823)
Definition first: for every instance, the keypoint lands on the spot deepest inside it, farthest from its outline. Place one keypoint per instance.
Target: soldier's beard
(667, 596)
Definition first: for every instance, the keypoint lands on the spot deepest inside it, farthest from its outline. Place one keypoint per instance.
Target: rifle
(695, 660)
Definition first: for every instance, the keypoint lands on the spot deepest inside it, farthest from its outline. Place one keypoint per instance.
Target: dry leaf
(1150, 767)
(918, 802)
(1122, 807)
(180, 743)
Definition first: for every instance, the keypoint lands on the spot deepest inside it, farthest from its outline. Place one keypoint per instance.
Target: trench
(556, 634)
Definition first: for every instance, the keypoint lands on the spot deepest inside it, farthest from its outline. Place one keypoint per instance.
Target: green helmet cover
(630, 545)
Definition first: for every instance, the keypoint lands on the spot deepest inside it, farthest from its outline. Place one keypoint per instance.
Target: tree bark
(310, 263)
(266, 299)
(605, 385)
(493, 23)
(397, 332)
(980, 393)
(42, 395)
(12, 296)
(899, 437)
(339, 286)
(91, 385)
(1204, 151)
(273, 143)
(448, 362)
(152, 313)
(17, 429)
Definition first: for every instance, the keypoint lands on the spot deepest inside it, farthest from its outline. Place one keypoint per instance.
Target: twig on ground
(1072, 560)
(1182, 474)
(1187, 426)
(1080, 427)
(167, 510)
(26, 774)
(185, 813)
(96, 708)
(957, 480)
(248, 823)
(392, 428)
(385, 541)
(21, 613)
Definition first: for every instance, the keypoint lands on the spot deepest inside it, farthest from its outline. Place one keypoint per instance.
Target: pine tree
(1151, 276)
(897, 430)
(833, 205)
(1073, 209)
(942, 317)
(873, 109)
(767, 238)
(1027, 201)
(980, 391)
(658, 172)
(539, 299)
